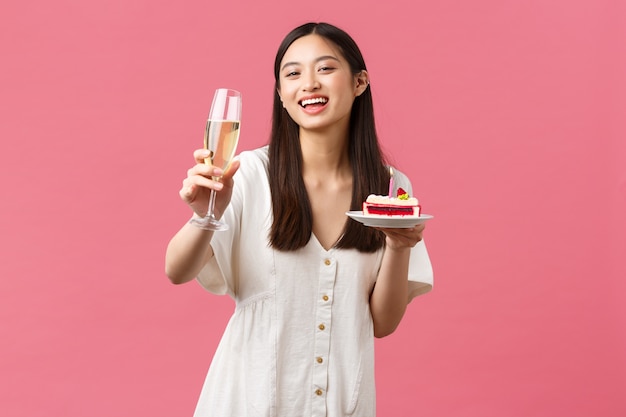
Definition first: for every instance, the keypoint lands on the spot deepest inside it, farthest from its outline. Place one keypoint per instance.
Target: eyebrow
(321, 58)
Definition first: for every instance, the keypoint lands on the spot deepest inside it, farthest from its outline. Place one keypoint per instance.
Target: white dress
(300, 341)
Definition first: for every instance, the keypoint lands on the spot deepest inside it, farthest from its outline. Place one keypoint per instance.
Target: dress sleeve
(420, 268)
(420, 271)
(213, 279)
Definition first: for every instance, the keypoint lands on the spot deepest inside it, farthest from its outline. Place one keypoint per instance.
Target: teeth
(305, 103)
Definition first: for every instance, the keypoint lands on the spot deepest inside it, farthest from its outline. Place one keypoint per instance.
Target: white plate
(390, 222)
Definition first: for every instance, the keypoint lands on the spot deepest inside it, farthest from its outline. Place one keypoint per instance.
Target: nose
(310, 81)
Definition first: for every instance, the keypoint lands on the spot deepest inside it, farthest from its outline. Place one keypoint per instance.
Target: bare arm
(188, 251)
(190, 248)
(389, 298)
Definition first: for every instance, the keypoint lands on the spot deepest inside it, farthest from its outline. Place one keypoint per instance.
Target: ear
(362, 81)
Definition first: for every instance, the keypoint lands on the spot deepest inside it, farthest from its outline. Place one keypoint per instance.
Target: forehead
(309, 48)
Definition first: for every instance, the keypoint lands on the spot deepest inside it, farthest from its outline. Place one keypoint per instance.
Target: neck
(324, 155)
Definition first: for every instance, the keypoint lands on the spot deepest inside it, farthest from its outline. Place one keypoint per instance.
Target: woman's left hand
(403, 238)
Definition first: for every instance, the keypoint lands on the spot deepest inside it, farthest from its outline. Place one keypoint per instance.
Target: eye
(291, 74)
(325, 68)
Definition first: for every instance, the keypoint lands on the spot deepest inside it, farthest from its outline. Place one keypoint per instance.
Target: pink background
(509, 116)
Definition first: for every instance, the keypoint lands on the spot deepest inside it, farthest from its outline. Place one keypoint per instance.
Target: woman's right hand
(197, 186)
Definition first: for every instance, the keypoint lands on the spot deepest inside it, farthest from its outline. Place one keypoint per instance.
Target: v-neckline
(319, 244)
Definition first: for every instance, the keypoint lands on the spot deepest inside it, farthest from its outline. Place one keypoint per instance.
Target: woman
(312, 287)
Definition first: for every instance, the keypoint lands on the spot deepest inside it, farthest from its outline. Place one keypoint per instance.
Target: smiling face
(317, 86)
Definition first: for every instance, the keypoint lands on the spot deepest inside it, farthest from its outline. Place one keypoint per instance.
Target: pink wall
(507, 115)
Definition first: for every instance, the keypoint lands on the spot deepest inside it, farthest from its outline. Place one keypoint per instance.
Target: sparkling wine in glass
(220, 138)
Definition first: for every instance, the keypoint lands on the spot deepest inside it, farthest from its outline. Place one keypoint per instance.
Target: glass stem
(210, 213)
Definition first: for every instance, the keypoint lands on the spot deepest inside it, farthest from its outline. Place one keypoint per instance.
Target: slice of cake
(384, 206)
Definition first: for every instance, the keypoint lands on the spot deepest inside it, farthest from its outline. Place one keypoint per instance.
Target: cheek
(291, 109)
(347, 101)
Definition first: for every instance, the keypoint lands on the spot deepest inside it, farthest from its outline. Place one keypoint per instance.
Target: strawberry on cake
(384, 206)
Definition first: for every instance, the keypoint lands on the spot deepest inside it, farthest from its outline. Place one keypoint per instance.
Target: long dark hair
(293, 220)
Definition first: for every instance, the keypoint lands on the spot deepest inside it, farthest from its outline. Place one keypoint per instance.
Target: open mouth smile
(316, 100)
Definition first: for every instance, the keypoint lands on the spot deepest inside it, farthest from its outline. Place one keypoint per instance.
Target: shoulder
(253, 167)
(254, 157)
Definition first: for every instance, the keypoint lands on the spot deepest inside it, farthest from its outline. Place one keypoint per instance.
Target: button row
(322, 327)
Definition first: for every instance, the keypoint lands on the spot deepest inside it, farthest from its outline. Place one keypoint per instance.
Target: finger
(230, 172)
(204, 170)
(188, 192)
(200, 155)
(202, 181)
(410, 232)
(407, 237)
(398, 231)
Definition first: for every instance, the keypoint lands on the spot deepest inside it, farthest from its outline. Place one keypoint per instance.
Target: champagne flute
(220, 138)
